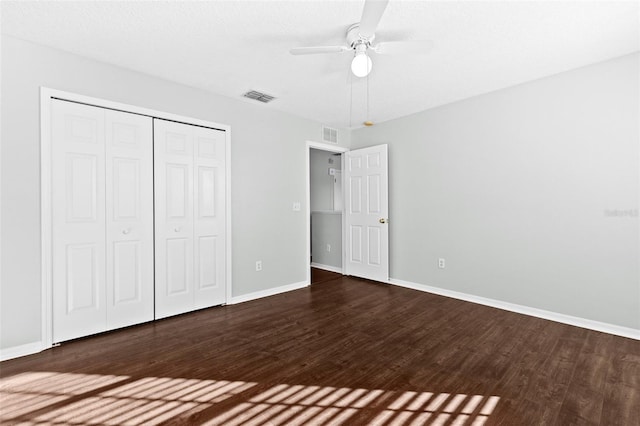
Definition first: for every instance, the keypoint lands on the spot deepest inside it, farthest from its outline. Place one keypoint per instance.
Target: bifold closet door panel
(102, 219)
(209, 219)
(173, 176)
(190, 217)
(129, 218)
(78, 215)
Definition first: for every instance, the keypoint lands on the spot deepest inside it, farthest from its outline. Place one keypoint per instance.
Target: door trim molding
(323, 147)
(46, 94)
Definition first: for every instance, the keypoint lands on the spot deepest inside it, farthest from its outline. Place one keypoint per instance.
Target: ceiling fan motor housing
(355, 39)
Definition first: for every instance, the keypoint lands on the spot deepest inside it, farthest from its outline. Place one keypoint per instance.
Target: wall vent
(259, 96)
(329, 135)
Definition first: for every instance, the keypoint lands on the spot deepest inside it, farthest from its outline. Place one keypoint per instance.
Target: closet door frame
(46, 216)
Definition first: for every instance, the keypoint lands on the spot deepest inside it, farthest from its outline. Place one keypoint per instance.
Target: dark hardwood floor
(320, 275)
(343, 351)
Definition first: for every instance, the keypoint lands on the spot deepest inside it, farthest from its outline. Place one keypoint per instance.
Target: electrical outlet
(328, 247)
(258, 265)
(441, 263)
(296, 206)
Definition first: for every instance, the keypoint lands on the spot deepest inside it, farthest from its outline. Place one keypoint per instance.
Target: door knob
(126, 231)
(176, 229)
(383, 220)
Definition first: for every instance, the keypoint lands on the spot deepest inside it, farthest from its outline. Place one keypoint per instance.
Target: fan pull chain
(351, 99)
(367, 120)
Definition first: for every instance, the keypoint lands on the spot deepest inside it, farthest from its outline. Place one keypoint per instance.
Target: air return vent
(329, 135)
(259, 96)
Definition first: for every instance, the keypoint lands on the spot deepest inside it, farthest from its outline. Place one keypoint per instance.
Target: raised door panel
(209, 217)
(177, 191)
(174, 226)
(78, 220)
(127, 273)
(373, 194)
(178, 271)
(206, 196)
(81, 192)
(83, 278)
(207, 256)
(129, 195)
(355, 239)
(374, 249)
(126, 188)
(355, 194)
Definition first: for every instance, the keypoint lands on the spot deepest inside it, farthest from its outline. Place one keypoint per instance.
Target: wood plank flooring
(320, 275)
(343, 351)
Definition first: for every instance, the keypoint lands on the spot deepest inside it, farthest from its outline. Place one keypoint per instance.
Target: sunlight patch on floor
(89, 399)
(299, 405)
(40, 398)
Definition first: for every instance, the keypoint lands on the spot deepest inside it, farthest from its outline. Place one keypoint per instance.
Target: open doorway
(325, 180)
(324, 209)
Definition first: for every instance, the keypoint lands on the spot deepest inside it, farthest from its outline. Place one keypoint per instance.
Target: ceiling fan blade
(318, 49)
(371, 14)
(403, 47)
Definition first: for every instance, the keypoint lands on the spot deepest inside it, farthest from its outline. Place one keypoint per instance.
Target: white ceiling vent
(258, 96)
(329, 135)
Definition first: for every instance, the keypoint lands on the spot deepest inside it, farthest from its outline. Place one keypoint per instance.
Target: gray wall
(320, 181)
(326, 228)
(264, 225)
(529, 193)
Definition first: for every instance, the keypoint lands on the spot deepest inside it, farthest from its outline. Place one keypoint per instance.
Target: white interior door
(78, 215)
(129, 218)
(190, 218)
(366, 213)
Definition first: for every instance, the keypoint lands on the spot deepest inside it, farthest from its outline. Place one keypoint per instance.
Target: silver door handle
(126, 231)
(177, 229)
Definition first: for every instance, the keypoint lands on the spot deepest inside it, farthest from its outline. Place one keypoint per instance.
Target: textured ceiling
(229, 47)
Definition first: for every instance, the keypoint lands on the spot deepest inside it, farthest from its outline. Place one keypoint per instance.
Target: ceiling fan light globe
(361, 65)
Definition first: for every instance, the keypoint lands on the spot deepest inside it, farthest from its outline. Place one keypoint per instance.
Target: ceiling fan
(360, 37)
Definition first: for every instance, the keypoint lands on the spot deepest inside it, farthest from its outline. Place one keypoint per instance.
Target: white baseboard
(326, 267)
(604, 327)
(269, 292)
(22, 350)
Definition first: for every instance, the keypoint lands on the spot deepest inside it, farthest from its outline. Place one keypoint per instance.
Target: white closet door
(209, 217)
(173, 175)
(78, 207)
(129, 218)
(190, 221)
